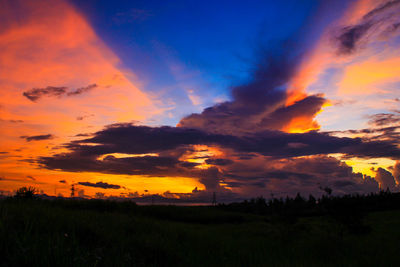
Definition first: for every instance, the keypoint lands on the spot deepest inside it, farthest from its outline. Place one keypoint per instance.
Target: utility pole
(214, 200)
(73, 190)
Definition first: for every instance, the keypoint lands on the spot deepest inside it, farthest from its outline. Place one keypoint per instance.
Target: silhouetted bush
(26, 192)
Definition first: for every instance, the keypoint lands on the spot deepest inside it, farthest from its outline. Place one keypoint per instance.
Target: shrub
(26, 192)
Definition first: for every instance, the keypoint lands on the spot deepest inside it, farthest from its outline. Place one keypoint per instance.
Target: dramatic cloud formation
(264, 138)
(261, 104)
(268, 159)
(305, 174)
(100, 185)
(132, 139)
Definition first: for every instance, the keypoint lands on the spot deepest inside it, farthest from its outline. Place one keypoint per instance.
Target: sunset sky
(187, 98)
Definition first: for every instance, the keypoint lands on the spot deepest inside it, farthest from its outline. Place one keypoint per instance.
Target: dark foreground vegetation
(332, 231)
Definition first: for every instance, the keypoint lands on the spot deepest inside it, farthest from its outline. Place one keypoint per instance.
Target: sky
(186, 98)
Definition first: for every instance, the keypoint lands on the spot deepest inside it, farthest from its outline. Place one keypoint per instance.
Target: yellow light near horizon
(365, 166)
(49, 182)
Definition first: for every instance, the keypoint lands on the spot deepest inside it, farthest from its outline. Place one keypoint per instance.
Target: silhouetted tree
(311, 200)
(26, 192)
(327, 190)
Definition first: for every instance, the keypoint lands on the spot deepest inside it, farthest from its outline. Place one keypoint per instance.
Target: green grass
(97, 233)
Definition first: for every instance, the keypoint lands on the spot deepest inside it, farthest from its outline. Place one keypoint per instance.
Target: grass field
(101, 233)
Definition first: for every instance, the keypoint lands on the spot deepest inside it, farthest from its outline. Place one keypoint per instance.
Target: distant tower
(73, 190)
(214, 200)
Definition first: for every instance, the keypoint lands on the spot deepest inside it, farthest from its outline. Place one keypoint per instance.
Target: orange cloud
(367, 77)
